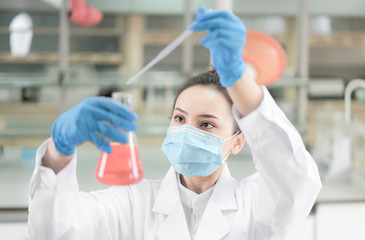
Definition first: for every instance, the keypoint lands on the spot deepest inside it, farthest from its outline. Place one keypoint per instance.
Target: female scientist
(213, 115)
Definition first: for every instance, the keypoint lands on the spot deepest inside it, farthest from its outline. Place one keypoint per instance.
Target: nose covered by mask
(193, 152)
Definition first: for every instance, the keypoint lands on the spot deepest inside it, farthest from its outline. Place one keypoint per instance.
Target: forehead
(201, 99)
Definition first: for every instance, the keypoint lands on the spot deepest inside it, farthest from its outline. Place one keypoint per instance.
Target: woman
(213, 115)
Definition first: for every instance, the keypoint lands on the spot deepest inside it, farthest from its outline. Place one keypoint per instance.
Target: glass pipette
(161, 55)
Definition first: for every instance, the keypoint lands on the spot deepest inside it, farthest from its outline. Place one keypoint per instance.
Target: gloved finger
(211, 44)
(120, 121)
(231, 43)
(226, 61)
(100, 143)
(219, 42)
(212, 35)
(119, 109)
(111, 133)
(230, 34)
(201, 10)
(215, 23)
(223, 37)
(113, 106)
(206, 15)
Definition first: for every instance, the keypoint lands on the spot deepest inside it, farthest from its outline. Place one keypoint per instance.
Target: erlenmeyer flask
(123, 166)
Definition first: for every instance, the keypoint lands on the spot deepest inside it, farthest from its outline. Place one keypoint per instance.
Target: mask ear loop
(225, 159)
(229, 153)
(238, 132)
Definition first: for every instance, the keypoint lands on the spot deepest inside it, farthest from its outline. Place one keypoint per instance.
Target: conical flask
(123, 166)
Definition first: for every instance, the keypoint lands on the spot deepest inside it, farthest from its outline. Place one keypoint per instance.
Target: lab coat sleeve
(57, 210)
(287, 181)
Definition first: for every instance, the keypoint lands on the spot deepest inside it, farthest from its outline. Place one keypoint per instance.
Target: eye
(207, 125)
(179, 119)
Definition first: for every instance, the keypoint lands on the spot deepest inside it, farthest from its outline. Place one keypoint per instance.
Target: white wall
(333, 221)
(14, 231)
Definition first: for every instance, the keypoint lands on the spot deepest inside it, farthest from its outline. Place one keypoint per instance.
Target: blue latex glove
(225, 39)
(95, 119)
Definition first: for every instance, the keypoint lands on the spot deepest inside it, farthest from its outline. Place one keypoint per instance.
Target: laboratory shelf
(26, 80)
(25, 125)
(154, 79)
(286, 82)
(148, 81)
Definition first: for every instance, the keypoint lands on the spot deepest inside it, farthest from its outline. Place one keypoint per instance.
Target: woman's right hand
(95, 119)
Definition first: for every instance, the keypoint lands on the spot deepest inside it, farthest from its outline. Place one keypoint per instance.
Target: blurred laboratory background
(50, 61)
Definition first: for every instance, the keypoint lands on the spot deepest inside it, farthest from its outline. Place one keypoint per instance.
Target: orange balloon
(266, 55)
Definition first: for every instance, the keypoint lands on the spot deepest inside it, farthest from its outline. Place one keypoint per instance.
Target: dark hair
(209, 78)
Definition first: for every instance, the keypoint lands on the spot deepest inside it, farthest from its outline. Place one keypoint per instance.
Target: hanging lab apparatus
(123, 166)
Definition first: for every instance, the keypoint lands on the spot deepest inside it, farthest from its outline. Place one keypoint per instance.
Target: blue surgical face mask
(193, 152)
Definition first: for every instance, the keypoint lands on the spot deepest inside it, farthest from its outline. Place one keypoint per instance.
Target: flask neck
(123, 97)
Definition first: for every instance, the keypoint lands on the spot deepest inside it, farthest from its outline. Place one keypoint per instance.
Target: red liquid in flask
(121, 167)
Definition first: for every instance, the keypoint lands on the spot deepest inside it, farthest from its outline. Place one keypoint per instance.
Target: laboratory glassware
(123, 166)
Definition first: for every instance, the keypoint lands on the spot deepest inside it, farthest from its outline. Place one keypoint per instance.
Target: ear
(239, 141)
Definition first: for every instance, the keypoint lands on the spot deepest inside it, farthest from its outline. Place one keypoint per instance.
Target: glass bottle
(123, 166)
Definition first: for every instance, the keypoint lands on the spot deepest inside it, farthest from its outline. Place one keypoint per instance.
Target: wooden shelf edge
(42, 58)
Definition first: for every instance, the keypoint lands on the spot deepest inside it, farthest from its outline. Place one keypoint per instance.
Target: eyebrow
(180, 110)
(201, 116)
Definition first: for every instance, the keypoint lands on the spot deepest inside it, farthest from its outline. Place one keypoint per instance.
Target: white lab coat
(266, 205)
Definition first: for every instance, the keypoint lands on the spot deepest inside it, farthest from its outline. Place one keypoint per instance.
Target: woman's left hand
(225, 39)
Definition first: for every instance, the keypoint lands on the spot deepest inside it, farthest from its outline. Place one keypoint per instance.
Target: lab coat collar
(168, 203)
(213, 222)
(224, 194)
(168, 193)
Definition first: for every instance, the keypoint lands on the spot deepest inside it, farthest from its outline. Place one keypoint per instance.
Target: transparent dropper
(164, 52)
